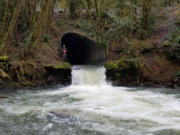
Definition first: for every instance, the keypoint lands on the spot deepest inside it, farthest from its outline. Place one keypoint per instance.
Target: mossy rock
(166, 43)
(4, 58)
(4, 75)
(64, 66)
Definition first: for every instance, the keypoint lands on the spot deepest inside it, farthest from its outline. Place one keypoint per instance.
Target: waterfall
(88, 75)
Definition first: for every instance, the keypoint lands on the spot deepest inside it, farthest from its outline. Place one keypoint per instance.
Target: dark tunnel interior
(81, 50)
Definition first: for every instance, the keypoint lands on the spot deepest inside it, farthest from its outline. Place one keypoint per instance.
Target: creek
(91, 106)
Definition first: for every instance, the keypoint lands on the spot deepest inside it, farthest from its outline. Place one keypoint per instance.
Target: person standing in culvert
(64, 52)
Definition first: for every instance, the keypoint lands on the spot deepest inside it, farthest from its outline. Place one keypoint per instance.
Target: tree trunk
(8, 35)
(146, 20)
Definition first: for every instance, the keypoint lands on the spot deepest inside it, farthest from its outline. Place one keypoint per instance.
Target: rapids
(91, 106)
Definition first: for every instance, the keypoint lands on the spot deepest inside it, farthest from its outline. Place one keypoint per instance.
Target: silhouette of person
(64, 51)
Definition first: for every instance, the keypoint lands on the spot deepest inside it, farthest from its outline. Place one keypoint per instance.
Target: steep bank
(30, 73)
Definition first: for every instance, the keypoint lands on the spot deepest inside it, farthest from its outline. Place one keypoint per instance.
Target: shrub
(85, 26)
(123, 64)
(166, 43)
(178, 73)
(28, 40)
(170, 56)
(46, 38)
(174, 55)
(60, 23)
(111, 64)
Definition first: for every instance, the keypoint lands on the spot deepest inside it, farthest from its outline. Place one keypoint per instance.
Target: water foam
(88, 75)
(90, 106)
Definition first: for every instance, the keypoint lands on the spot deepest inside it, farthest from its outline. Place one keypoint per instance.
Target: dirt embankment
(154, 68)
(31, 73)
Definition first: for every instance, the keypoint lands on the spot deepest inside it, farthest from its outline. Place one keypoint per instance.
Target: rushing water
(90, 106)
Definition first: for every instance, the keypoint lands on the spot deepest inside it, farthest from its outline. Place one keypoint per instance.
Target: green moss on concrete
(64, 66)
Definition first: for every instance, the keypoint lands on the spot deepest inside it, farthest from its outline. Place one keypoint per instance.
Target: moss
(64, 66)
(166, 43)
(26, 72)
(139, 45)
(27, 83)
(4, 75)
(111, 64)
(3, 58)
(123, 64)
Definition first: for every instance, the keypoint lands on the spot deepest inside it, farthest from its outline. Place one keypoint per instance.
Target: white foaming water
(91, 107)
(88, 75)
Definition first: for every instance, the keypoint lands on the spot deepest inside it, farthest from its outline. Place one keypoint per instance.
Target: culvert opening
(81, 50)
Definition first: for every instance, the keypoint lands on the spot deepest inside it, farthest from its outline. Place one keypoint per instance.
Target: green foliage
(122, 26)
(174, 37)
(123, 63)
(166, 43)
(46, 38)
(111, 64)
(134, 60)
(60, 23)
(177, 20)
(102, 42)
(64, 66)
(84, 25)
(178, 73)
(174, 55)
(28, 40)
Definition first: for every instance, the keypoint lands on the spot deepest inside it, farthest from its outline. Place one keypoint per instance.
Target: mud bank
(29, 73)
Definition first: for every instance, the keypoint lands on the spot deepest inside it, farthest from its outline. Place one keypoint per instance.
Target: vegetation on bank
(138, 35)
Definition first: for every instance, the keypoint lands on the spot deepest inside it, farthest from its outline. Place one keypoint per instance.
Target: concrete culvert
(81, 50)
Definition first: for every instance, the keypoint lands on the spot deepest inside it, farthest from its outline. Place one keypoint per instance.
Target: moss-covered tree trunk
(43, 20)
(6, 39)
(72, 8)
(146, 20)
